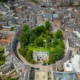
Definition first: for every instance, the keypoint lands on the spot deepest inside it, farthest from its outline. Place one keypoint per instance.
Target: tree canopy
(58, 34)
(58, 52)
(47, 25)
(5, 0)
(51, 58)
(12, 79)
(71, 3)
(25, 28)
(34, 1)
(12, 29)
(39, 42)
(2, 58)
(41, 37)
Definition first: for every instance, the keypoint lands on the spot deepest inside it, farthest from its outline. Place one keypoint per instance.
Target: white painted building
(40, 56)
(73, 64)
(77, 33)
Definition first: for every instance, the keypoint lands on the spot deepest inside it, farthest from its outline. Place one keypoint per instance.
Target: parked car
(37, 68)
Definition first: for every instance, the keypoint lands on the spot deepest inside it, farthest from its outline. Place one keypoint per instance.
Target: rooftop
(65, 76)
(50, 15)
(74, 39)
(41, 75)
(73, 64)
(6, 38)
(75, 26)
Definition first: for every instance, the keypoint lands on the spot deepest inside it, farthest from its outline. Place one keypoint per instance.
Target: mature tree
(39, 42)
(6, 0)
(32, 61)
(48, 33)
(51, 58)
(39, 30)
(25, 28)
(29, 55)
(61, 43)
(58, 34)
(28, 35)
(23, 51)
(2, 58)
(48, 39)
(34, 1)
(23, 39)
(58, 52)
(71, 3)
(55, 42)
(12, 29)
(47, 25)
(3, 0)
(12, 79)
(1, 50)
(32, 37)
(41, 37)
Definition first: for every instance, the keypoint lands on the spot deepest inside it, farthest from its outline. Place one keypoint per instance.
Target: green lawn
(33, 48)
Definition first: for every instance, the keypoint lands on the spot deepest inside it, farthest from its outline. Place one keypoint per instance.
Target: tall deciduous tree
(59, 34)
(29, 55)
(5, 0)
(23, 39)
(51, 58)
(47, 25)
(58, 52)
(39, 42)
(71, 3)
(32, 37)
(25, 28)
(39, 30)
(61, 43)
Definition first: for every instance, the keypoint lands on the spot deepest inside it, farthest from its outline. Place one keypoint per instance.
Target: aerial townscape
(39, 39)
